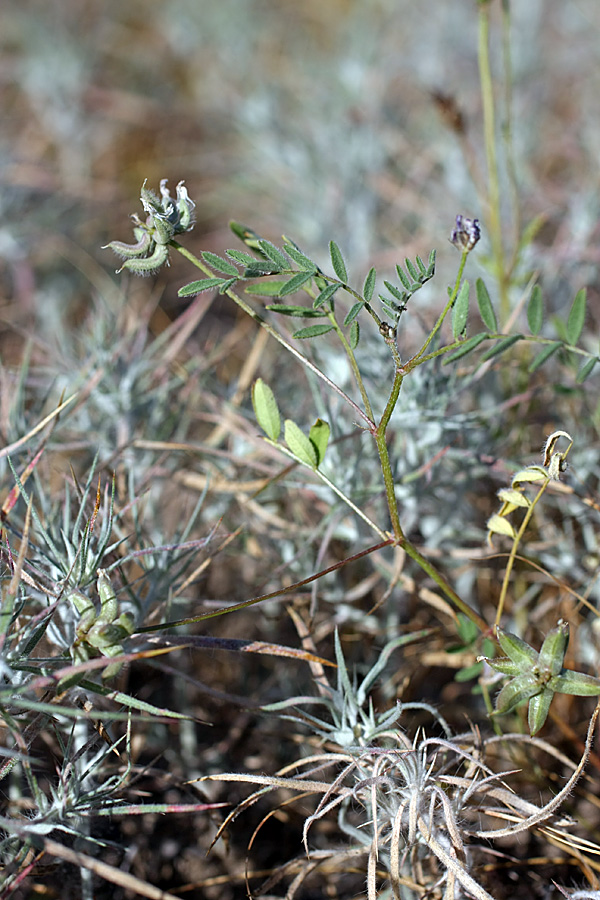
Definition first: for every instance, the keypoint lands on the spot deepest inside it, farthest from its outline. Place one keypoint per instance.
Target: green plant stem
(275, 334)
(489, 132)
(384, 457)
(400, 539)
(353, 365)
(419, 357)
(289, 589)
(513, 552)
(441, 582)
(507, 134)
(336, 490)
(378, 432)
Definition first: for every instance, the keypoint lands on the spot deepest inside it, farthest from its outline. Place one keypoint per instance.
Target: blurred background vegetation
(325, 119)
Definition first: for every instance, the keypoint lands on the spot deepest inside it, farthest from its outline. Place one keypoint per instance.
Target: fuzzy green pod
(132, 251)
(538, 710)
(109, 605)
(162, 227)
(501, 664)
(105, 636)
(86, 609)
(149, 264)
(577, 684)
(515, 691)
(516, 649)
(553, 650)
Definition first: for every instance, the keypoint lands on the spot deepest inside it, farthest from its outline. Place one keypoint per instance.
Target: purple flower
(466, 233)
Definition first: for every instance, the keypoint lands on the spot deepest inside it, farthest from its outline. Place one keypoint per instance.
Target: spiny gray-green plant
(400, 801)
(76, 597)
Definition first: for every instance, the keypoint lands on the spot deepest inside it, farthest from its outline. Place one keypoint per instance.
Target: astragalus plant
(414, 805)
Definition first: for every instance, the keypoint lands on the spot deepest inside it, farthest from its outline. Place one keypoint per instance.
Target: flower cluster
(466, 233)
(164, 219)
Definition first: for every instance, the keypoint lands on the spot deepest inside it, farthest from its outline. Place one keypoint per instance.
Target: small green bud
(104, 636)
(162, 229)
(127, 623)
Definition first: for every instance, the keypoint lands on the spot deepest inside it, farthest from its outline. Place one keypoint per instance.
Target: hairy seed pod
(553, 650)
(150, 264)
(109, 605)
(538, 710)
(132, 251)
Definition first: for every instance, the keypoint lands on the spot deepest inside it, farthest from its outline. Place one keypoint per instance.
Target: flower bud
(466, 233)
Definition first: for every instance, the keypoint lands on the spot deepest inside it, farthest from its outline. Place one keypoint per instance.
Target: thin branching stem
(275, 334)
(489, 134)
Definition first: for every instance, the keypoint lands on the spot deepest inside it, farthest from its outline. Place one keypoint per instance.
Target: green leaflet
(460, 312)
(576, 319)
(219, 264)
(295, 283)
(535, 310)
(586, 370)
(486, 310)
(337, 261)
(501, 346)
(312, 331)
(369, 285)
(468, 346)
(266, 409)
(544, 354)
(319, 437)
(302, 312)
(300, 445)
(204, 284)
